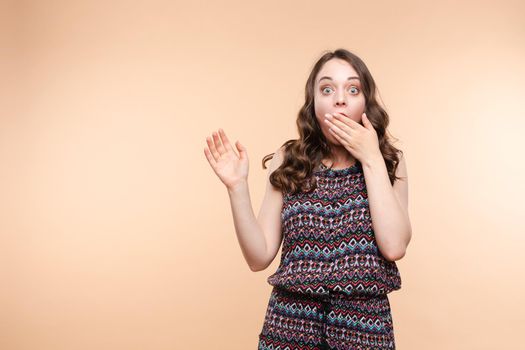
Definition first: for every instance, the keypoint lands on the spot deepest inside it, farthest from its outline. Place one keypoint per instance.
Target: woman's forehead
(334, 70)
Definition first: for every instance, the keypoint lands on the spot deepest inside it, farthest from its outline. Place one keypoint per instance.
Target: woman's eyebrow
(349, 78)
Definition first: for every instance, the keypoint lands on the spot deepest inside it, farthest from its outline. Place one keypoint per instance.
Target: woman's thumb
(242, 150)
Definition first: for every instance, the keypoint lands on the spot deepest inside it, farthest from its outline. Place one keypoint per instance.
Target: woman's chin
(334, 141)
(331, 139)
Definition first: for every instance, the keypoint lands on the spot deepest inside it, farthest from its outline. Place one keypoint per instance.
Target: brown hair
(303, 155)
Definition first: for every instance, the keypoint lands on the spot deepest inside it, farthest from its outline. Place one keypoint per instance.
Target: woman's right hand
(230, 168)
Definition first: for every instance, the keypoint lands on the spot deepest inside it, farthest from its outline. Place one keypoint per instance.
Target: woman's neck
(340, 158)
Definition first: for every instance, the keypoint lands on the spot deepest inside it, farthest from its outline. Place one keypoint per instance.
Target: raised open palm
(231, 168)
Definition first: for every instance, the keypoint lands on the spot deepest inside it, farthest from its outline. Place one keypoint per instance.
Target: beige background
(116, 234)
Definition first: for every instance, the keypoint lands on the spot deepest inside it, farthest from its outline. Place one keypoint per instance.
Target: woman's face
(337, 88)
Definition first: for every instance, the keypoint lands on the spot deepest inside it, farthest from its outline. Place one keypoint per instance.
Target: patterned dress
(330, 289)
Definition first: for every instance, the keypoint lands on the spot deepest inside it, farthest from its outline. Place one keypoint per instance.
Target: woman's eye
(353, 89)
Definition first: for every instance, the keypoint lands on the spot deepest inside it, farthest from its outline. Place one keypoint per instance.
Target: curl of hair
(302, 156)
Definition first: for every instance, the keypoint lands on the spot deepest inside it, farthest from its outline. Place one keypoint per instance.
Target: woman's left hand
(360, 140)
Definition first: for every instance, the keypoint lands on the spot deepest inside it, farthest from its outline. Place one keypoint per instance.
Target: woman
(337, 198)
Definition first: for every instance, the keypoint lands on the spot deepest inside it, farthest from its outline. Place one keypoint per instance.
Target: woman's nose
(340, 99)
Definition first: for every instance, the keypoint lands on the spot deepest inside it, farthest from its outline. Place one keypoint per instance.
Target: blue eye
(329, 88)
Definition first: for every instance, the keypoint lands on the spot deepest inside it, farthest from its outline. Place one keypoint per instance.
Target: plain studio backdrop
(115, 233)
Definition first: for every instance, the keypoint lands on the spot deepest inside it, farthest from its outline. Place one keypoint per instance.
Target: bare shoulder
(269, 217)
(277, 159)
(401, 184)
(401, 170)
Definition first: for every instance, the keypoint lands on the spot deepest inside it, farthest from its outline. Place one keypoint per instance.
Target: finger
(218, 143)
(210, 158)
(338, 138)
(347, 120)
(332, 124)
(243, 154)
(213, 150)
(366, 122)
(343, 138)
(338, 133)
(225, 140)
(341, 124)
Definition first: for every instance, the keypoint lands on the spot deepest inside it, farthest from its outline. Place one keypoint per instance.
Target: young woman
(337, 198)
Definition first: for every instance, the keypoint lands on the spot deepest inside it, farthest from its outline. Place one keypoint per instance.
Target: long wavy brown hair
(303, 155)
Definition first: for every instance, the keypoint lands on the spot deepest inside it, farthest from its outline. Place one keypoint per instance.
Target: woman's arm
(259, 238)
(388, 207)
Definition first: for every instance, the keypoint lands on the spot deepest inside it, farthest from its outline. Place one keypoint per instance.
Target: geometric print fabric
(330, 289)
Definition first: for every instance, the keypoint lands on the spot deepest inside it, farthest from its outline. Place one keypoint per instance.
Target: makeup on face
(330, 78)
(338, 90)
(326, 94)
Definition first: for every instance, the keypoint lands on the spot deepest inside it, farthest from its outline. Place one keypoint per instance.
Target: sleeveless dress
(330, 289)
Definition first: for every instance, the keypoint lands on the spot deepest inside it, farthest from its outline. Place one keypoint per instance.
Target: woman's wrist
(239, 186)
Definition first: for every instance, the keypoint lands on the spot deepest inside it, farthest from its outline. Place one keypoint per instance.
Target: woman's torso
(328, 240)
